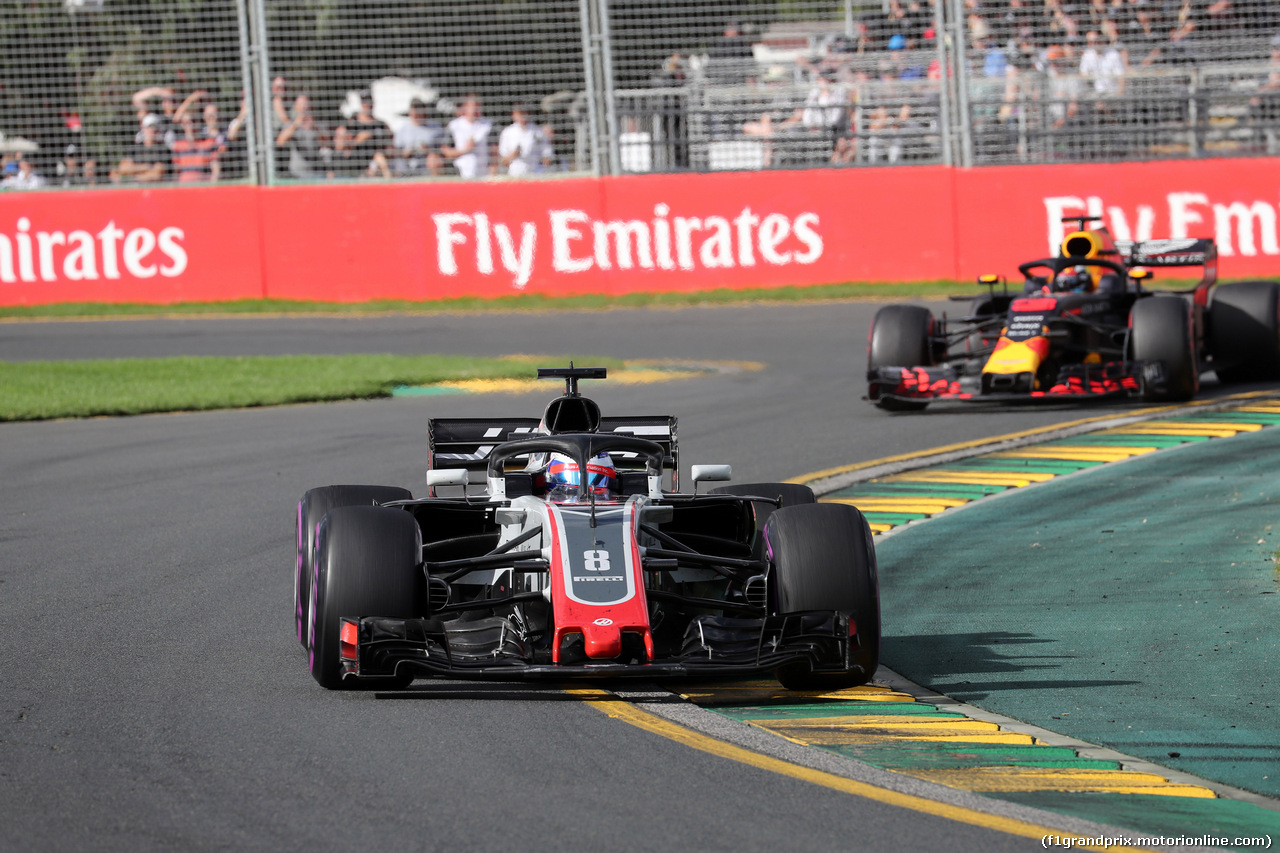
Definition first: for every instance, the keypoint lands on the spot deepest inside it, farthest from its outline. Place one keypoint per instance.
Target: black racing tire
(1244, 331)
(1161, 331)
(824, 559)
(312, 509)
(900, 337)
(792, 494)
(368, 563)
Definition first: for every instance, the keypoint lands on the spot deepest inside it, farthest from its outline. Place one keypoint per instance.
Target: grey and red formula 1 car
(607, 574)
(1083, 327)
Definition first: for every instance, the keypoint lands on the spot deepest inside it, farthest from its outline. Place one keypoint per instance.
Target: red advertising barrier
(613, 235)
(1007, 215)
(161, 245)
(352, 242)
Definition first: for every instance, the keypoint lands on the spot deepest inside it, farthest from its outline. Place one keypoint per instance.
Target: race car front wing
(948, 382)
(494, 648)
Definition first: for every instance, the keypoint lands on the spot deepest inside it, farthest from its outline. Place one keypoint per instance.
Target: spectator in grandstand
(73, 173)
(883, 133)
(470, 135)
(670, 108)
(1008, 20)
(195, 150)
(978, 28)
(995, 61)
(910, 20)
(729, 57)
(304, 142)
(1065, 111)
(810, 127)
(845, 149)
(234, 160)
(1143, 33)
(279, 111)
(69, 167)
(364, 143)
(148, 161)
(418, 143)
(731, 44)
(1216, 18)
(212, 137)
(1103, 64)
(280, 117)
(906, 61)
(168, 108)
(1065, 20)
(824, 107)
(1188, 19)
(1264, 107)
(523, 146)
(24, 177)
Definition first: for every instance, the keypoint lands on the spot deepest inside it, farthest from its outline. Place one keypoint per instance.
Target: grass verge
(42, 390)
(515, 302)
(879, 291)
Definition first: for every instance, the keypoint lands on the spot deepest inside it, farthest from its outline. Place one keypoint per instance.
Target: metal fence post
(610, 102)
(961, 55)
(941, 39)
(249, 95)
(261, 104)
(589, 78)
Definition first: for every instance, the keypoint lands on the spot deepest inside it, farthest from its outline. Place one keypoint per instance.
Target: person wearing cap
(470, 132)
(523, 146)
(141, 101)
(148, 161)
(69, 166)
(418, 142)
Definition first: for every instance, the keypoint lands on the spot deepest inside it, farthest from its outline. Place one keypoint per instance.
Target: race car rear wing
(1172, 253)
(467, 442)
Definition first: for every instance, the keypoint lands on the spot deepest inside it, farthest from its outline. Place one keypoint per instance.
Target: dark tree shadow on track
(941, 662)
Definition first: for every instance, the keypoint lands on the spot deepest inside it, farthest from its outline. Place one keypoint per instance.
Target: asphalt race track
(153, 696)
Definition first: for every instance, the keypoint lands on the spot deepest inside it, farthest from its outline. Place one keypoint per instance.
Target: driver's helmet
(1074, 280)
(561, 479)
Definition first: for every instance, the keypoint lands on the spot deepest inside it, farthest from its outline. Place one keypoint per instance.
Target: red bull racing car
(576, 560)
(1082, 327)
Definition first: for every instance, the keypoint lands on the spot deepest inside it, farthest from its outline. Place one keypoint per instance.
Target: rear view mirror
(447, 477)
(711, 473)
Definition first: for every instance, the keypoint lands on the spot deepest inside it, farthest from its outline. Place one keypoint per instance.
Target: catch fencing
(321, 90)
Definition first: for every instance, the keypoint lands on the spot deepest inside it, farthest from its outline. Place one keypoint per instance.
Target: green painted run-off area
(1133, 605)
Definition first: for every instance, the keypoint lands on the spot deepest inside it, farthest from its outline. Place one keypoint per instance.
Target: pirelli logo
(581, 578)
